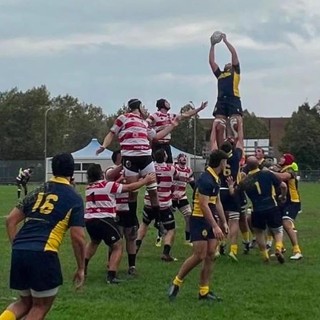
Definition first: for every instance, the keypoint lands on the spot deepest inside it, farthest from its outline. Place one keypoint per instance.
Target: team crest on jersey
(128, 164)
(204, 233)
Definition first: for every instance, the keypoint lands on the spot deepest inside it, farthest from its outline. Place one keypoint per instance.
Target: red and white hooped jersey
(122, 199)
(158, 121)
(134, 135)
(165, 173)
(101, 199)
(183, 176)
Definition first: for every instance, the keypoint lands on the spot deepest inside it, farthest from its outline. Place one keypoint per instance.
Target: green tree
(253, 127)
(183, 135)
(302, 136)
(22, 118)
(70, 124)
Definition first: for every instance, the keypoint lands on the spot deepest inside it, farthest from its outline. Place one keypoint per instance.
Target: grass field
(250, 289)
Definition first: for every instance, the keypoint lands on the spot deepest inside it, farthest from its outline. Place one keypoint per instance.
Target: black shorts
(227, 106)
(200, 229)
(36, 270)
(267, 218)
(166, 217)
(291, 210)
(21, 183)
(105, 229)
(136, 164)
(178, 204)
(230, 202)
(166, 147)
(126, 219)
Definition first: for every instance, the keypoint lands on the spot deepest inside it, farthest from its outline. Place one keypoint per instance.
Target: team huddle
(231, 194)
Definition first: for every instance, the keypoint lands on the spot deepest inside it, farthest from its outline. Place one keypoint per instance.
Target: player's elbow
(77, 235)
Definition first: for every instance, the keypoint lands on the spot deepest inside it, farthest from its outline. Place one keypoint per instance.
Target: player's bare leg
(236, 126)
(218, 132)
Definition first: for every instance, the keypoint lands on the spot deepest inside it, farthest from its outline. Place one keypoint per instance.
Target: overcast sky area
(106, 52)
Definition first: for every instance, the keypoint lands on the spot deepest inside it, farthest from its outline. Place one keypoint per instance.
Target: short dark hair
(134, 104)
(215, 158)
(115, 155)
(63, 165)
(161, 103)
(159, 155)
(226, 146)
(94, 173)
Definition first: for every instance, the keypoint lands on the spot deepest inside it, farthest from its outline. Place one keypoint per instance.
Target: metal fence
(10, 169)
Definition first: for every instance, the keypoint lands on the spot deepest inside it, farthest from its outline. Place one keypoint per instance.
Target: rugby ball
(216, 37)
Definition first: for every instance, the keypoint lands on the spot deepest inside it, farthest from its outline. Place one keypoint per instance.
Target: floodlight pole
(45, 142)
(194, 138)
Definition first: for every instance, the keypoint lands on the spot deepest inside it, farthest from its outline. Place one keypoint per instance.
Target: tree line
(71, 125)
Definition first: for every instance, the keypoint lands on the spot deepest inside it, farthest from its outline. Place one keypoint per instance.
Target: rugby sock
(296, 249)
(111, 274)
(246, 236)
(19, 193)
(203, 290)
(234, 249)
(177, 282)
(86, 262)
(138, 244)
(264, 254)
(187, 233)
(7, 315)
(131, 260)
(279, 246)
(166, 249)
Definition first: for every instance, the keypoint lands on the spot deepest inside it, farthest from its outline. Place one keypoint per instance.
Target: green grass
(251, 290)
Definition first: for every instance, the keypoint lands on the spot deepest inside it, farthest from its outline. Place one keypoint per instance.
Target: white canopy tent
(87, 155)
(83, 158)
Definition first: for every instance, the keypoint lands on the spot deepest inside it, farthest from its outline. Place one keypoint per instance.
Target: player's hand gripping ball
(216, 37)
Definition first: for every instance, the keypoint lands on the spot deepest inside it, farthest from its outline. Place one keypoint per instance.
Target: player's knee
(220, 124)
(186, 211)
(131, 233)
(235, 123)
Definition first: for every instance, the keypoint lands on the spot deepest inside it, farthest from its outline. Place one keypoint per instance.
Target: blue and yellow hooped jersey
(49, 211)
(292, 184)
(228, 82)
(208, 184)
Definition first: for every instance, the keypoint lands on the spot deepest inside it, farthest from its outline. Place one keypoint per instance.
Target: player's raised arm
(212, 61)
(192, 112)
(234, 55)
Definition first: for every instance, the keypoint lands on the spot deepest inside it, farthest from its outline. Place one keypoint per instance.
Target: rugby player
(22, 180)
(135, 135)
(204, 229)
(231, 203)
(100, 216)
(165, 175)
(228, 106)
(128, 224)
(260, 187)
(47, 212)
(292, 206)
(162, 118)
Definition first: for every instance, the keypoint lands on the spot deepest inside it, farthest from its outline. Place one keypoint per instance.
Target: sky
(105, 52)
